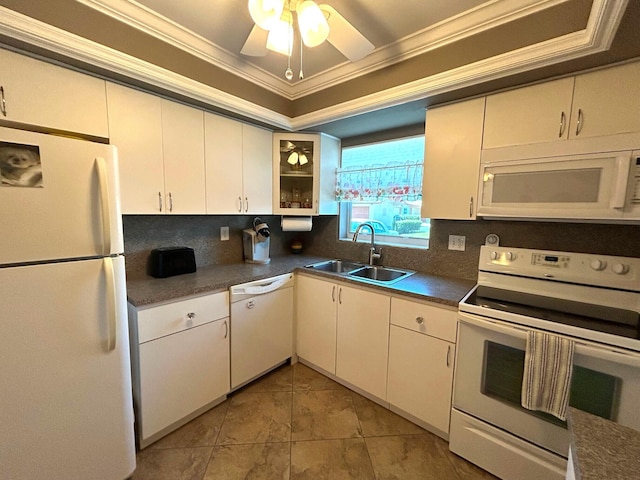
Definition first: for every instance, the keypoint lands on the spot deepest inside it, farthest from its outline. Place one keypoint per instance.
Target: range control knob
(620, 268)
(509, 256)
(494, 255)
(598, 265)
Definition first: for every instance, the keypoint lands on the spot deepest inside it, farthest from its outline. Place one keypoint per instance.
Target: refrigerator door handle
(105, 202)
(111, 303)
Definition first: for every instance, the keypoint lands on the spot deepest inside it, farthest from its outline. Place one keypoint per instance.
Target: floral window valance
(394, 181)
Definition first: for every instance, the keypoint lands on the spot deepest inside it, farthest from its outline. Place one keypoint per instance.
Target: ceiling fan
(316, 23)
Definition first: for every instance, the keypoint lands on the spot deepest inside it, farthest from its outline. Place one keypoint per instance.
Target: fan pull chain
(288, 74)
(301, 76)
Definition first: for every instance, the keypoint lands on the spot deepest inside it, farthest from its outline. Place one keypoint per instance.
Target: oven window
(592, 391)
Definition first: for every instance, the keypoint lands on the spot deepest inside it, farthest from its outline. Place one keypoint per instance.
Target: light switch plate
(457, 242)
(224, 233)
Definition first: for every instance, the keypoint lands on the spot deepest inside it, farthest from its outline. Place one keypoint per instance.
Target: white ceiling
(217, 29)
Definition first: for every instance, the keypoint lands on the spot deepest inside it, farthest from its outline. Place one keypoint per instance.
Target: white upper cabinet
(600, 103)
(453, 140)
(304, 173)
(534, 114)
(161, 153)
(238, 167)
(52, 97)
(183, 150)
(606, 102)
(135, 127)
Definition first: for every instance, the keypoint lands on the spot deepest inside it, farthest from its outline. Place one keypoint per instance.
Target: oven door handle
(588, 349)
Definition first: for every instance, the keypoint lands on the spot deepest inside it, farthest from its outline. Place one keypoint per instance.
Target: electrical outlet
(456, 242)
(224, 233)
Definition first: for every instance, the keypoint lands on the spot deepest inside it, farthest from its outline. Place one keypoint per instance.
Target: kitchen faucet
(373, 255)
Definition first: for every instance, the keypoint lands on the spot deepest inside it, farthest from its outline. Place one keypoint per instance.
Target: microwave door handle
(619, 194)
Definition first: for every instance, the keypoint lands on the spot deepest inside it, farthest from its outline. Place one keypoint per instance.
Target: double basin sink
(366, 273)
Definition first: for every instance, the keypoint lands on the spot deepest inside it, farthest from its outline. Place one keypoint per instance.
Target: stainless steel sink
(336, 266)
(383, 275)
(361, 272)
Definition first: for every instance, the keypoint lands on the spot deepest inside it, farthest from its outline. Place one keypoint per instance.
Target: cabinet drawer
(434, 321)
(173, 317)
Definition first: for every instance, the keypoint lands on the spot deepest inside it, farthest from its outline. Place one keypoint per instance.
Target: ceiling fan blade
(256, 44)
(345, 37)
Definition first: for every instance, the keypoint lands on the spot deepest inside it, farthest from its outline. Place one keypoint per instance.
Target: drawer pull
(420, 320)
(190, 317)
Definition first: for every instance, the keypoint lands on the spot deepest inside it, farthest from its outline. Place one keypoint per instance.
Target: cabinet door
(363, 339)
(606, 102)
(183, 148)
(316, 307)
(296, 167)
(38, 93)
(453, 142)
(181, 373)
(256, 170)
(223, 153)
(421, 376)
(535, 114)
(135, 127)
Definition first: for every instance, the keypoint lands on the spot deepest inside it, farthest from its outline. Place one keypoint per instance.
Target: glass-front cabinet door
(304, 173)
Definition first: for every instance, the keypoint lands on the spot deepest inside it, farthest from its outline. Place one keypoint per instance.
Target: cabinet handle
(190, 317)
(340, 295)
(170, 202)
(160, 201)
(471, 207)
(4, 102)
(449, 356)
(226, 329)
(579, 123)
(333, 294)
(420, 320)
(246, 204)
(563, 118)
(240, 204)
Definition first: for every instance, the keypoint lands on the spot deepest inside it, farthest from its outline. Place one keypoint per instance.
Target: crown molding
(603, 22)
(479, 19)
(597, 37)
(33, 32)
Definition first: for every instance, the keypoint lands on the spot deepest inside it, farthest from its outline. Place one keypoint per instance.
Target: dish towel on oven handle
(548, 364)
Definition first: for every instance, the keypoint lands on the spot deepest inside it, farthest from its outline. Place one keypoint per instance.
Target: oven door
(488, 381)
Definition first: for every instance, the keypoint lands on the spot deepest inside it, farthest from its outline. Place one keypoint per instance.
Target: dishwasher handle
(260, 289)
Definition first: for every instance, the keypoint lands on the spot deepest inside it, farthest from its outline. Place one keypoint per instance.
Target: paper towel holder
(296, 223)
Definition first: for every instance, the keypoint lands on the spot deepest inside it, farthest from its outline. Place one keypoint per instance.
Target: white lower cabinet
(421, 356)
(316, 310)
(363, 339)
(180, 362)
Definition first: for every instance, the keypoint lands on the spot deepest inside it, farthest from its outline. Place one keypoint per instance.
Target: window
(381, 183)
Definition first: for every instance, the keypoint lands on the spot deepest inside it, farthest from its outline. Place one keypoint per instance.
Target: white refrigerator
(65, 380)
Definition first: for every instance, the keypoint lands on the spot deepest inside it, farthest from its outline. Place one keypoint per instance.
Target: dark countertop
(602, 449)
(146, 290)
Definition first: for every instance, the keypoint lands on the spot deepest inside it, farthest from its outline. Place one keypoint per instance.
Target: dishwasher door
(261, 327)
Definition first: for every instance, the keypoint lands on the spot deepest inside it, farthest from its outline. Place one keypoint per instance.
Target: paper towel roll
(296, 224)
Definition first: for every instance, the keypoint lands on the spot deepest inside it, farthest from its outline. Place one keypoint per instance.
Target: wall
(202, 232)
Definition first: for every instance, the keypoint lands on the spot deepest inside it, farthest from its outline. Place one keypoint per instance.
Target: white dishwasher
(261, 327)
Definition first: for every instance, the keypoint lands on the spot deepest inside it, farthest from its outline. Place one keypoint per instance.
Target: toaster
(169, 261)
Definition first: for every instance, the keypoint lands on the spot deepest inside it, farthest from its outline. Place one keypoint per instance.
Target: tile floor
(296, 424)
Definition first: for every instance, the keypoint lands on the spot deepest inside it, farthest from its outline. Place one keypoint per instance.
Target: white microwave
(602, 187)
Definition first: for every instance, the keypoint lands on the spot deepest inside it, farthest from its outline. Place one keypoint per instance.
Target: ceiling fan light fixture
(266, 13)
(312, 23)
(280, 38)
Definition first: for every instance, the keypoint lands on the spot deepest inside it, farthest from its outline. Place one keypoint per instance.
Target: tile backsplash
(142, 233)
